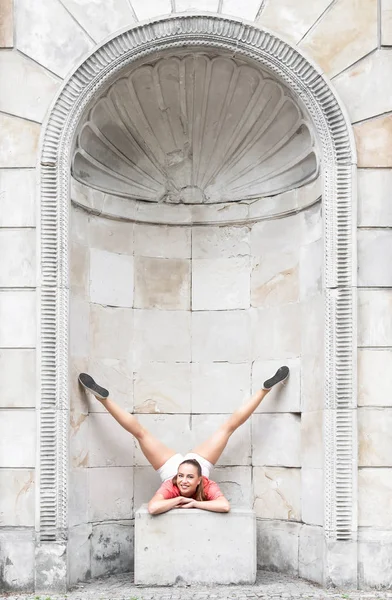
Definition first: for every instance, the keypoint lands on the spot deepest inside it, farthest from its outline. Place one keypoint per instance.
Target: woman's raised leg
(213, 447)
(153, 449)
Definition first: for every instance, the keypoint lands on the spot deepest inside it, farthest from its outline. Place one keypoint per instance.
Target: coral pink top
(169, 490)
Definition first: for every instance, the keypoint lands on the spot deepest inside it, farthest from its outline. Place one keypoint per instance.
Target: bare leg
(212, 448)
(154, 450)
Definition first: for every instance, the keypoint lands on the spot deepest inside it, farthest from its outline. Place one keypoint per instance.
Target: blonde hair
(200, 495)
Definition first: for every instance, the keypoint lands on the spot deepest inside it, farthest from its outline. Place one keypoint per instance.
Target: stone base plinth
(195, 546)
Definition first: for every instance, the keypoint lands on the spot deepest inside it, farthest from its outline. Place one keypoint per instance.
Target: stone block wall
(182, 324)
(40, 43)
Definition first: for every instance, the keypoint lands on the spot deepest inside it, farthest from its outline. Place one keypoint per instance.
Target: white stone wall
(182, 323)
(40, 43)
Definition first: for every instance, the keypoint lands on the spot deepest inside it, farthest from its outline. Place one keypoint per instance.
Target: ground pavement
(268, 585)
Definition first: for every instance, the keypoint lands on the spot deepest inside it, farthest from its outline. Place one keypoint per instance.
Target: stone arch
(307, 83)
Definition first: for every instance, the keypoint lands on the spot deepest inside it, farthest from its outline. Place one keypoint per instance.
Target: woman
(186, 482)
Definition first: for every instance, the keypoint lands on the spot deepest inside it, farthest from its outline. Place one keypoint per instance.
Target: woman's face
(187, 480)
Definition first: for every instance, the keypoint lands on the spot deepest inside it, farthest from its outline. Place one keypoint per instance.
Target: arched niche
(72, 138)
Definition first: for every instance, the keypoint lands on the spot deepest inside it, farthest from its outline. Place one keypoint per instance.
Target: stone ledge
(195, 546)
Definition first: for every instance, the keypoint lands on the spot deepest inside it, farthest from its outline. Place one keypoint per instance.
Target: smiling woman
(185, 480)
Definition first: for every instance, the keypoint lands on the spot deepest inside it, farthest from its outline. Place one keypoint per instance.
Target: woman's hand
(190, 503)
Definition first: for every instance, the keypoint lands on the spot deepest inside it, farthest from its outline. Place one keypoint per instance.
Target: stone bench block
(195, 546)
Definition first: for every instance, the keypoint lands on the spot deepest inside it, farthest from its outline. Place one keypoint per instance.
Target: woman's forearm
(158, 507)
(219, 505)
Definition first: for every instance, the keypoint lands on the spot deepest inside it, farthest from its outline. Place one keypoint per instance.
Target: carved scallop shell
(195, 129)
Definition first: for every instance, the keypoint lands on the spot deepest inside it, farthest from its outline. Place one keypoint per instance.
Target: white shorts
(170, 468)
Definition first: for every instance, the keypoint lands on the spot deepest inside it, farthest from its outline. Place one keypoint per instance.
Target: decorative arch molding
(306, 82)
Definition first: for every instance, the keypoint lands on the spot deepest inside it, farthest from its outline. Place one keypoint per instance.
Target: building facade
(193, 193)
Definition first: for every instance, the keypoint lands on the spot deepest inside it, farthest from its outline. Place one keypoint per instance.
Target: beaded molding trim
(307, 82)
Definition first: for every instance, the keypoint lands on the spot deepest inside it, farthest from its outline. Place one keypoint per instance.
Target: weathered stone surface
(162, 283)
(109, 235)
(111, 331)
(221, 336)
(341, 564)
(79, 326)
(312, 442)
(17, 498)
(343, 35)
(116, 376)
(161, 241)
(148, 10)
(112, 548)
(17, 202)
(219, 387)
(276, 236)
(374, 318)
(163, 388)
(162, 336)
(374, 437)
(19, 142)
(374, 558)
(111, 278)
(146, 483)
(79, 553)
(277, 545)
(374, 256)
(203, 5)
(236, 484)
(312, 496)
(276, 332)
(78, 506)
(277, 493)
(117, 501)
(18, 319)
(374, 142)
(221, 283)
(282, 398)
(228, 542)
(237, 451)
(47, 32)
(108, 444)
(85, 196)
(365, 89)
(237, 8)
(311, 224)
(30, 88)
(275, 279)
(311, 553)
(291, 18)
(79, 447)
(268, 431)
(51, 568)
(79, 269)
(374, 205)
(100, 19)
(374, 497)
(7, 23)
(374, 377)
(79, 225)
(17, 391)
(220, 242)
(386, 22)
(17, 560)
(312, 380)
(17, 266)
(311, 269)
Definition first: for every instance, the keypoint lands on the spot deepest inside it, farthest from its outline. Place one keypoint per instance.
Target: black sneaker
(89, 384)
(281, 375)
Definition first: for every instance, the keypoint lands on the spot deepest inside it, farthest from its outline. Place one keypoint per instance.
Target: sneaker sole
(281, 375)
(89, 384)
